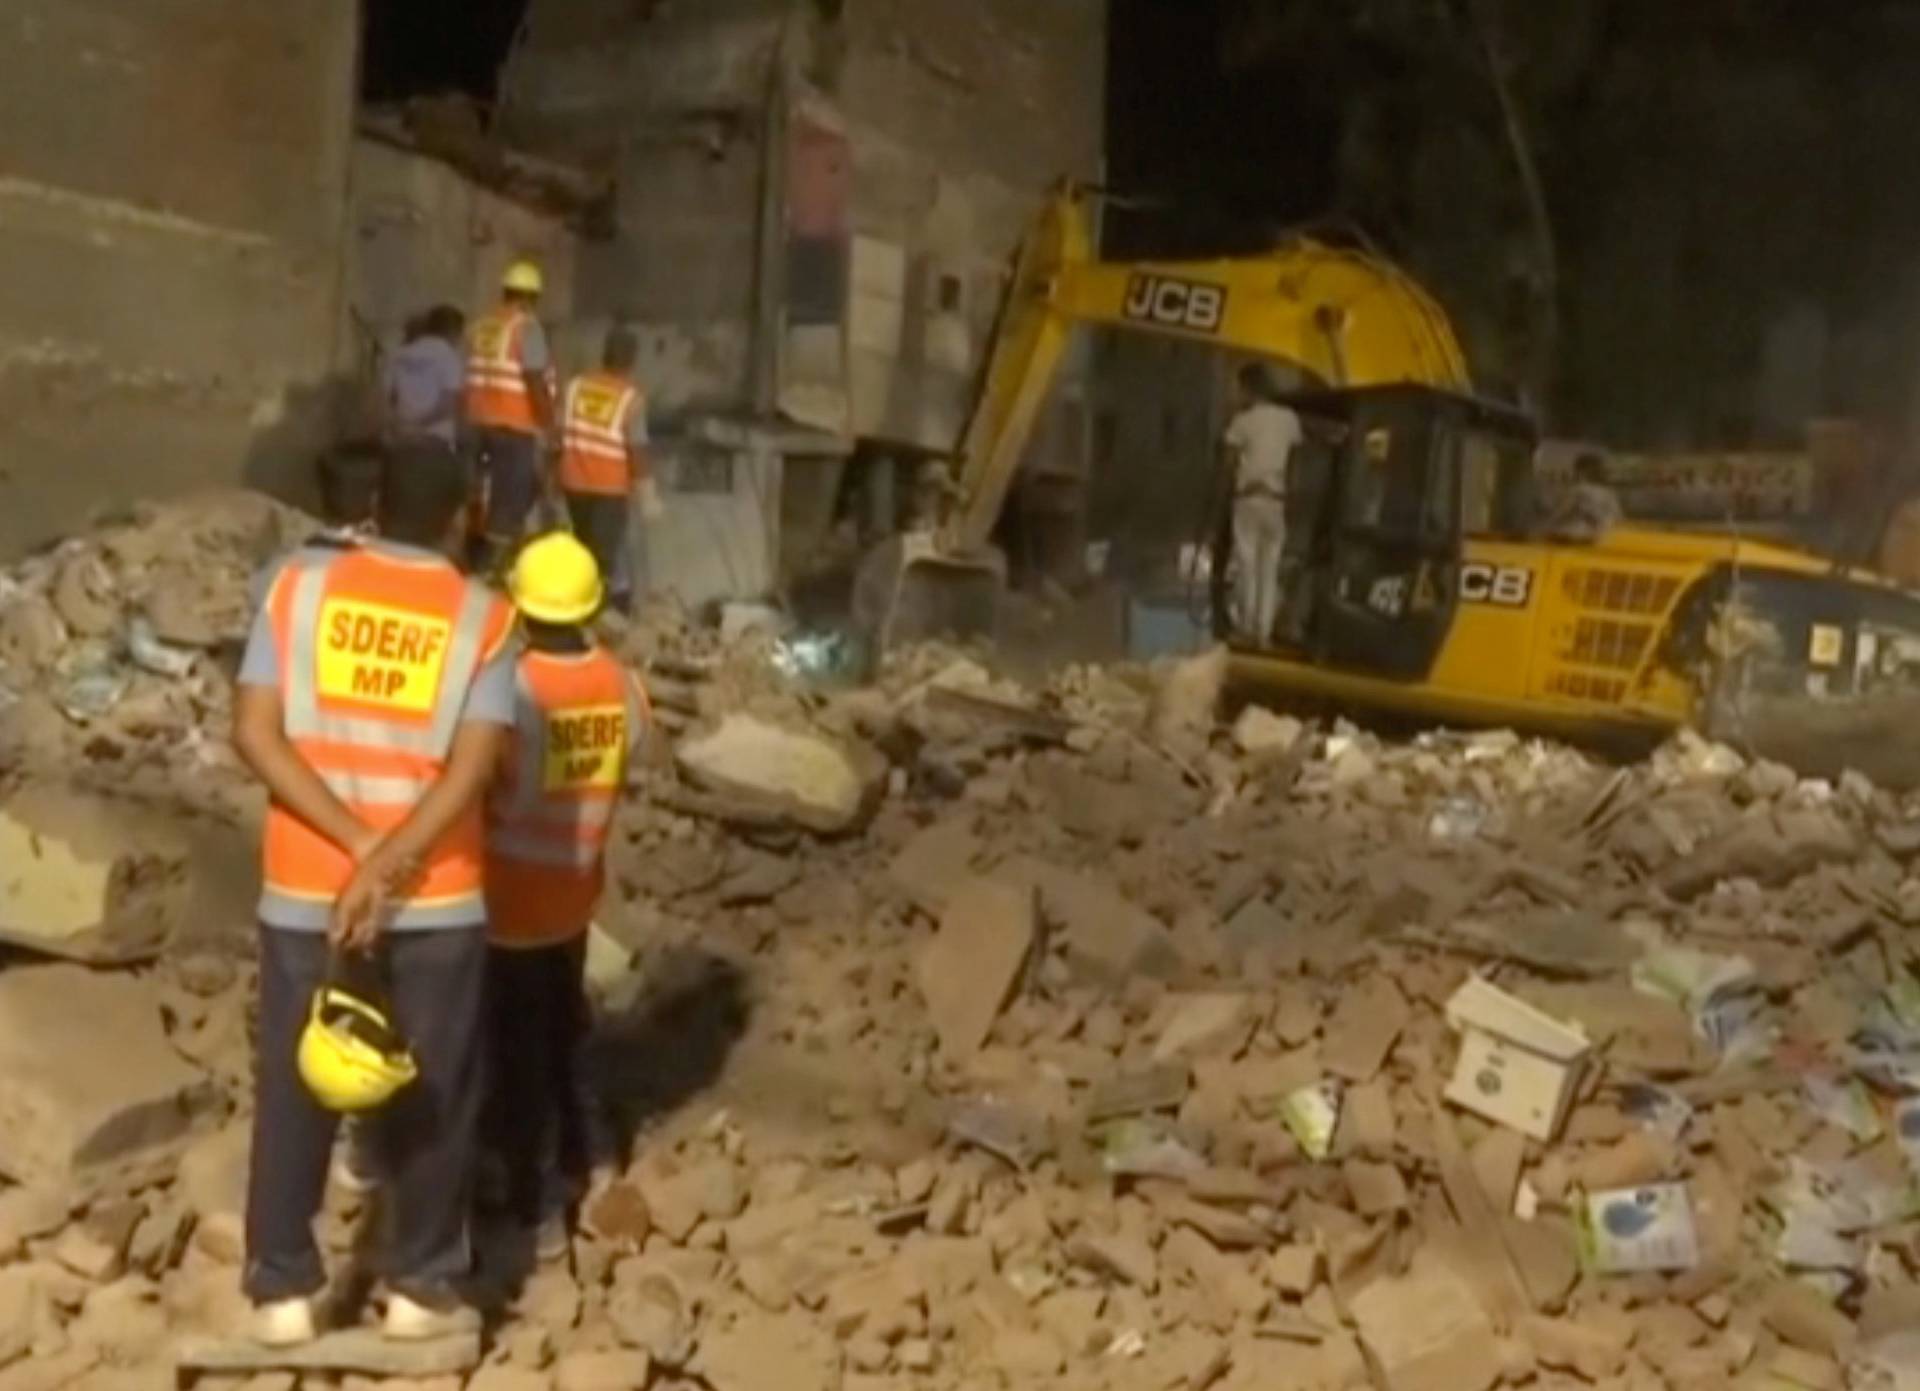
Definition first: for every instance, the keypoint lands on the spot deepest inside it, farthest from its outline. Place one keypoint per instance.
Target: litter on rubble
(1629, 1230)
(1457, 819)
(90, 682)
(1518, 1065)
(151, 654)
(1141, 1148)
(1845, 1104)
(1661, 1110)
(1312, 1116)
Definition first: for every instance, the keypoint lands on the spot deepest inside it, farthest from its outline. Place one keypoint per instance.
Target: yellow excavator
(1432, 589)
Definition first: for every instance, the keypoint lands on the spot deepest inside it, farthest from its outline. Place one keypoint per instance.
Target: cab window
(1496, 484)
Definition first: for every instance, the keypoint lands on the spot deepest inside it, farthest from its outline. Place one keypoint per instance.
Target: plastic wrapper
(1311, 1116)
(1629, 1230)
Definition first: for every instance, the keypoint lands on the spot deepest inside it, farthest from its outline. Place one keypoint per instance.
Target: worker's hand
(364, 844)
(652, 506)
(359, 913)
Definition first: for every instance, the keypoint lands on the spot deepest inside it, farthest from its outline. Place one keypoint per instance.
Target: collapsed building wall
(424, 234)
(170, 224)
(816, 203)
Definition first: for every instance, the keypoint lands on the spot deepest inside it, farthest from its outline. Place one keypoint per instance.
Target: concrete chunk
(768, 1352)
(88, 878)
(1362, 1029)
(968, 970)
(1202, 1025)
(935, 862)
(1109, 939)
(90, 1091)
(822, 783)
(1425, 1332)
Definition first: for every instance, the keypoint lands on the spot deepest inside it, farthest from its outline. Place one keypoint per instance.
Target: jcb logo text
(1189, 304)
(1507, 586)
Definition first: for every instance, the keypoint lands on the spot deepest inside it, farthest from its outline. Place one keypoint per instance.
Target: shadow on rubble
(670, 1043)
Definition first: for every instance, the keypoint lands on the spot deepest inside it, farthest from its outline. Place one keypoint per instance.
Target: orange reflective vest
(377, 652)
(577, 717)
(496, 372)
(596, 421)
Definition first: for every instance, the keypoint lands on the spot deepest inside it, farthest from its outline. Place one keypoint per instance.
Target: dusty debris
(1091, 1040)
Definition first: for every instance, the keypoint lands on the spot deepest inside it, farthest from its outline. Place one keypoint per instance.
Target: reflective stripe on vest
(497, 393)
(594, 457)
(576, 719)
(377, 661)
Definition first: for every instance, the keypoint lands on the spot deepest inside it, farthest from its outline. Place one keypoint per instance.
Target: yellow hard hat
(555, 579)
(523, 277)
(351, 1057)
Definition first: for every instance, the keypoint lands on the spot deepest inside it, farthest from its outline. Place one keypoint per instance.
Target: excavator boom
(1346, 317)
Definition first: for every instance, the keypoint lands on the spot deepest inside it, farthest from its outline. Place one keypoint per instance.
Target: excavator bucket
(1821, 673)
(909, 590)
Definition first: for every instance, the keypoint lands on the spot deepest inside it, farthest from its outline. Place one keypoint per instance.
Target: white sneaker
(284, 1323)
(409, 1321)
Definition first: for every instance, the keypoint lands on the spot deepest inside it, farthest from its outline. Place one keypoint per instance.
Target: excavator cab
(1393, 481)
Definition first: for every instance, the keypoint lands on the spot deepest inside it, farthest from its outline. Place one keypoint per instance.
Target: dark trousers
(603, 522)
(423, 1139)
(507, 462)
(536, 1026)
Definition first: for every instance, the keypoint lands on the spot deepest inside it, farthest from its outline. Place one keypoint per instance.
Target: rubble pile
(955, 1033)
(117, 649)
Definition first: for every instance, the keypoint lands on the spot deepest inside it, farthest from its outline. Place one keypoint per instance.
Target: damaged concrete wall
(959, 116)
(424, 233)
(170, 222)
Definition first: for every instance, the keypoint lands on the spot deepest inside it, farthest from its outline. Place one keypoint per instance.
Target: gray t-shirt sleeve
(260, 666)
(533, 347)
(490, 698)
(637, 436)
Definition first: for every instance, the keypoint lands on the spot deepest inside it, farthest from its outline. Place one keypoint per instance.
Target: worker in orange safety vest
(605, 467)
(578, 717)
(509, 406)
(373, 701)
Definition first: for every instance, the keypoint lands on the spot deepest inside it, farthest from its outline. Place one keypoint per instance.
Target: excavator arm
(1346, 317)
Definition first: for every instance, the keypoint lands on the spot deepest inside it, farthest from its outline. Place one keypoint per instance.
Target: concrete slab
(89, 878)
(361, 1350)
(967, 971)
(817, 781)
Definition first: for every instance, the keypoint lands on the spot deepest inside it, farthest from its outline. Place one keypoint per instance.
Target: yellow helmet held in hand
(523, 277)
(351, 1057)
(556, 580)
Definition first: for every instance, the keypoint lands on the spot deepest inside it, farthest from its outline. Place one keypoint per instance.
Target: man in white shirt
(1260, 440)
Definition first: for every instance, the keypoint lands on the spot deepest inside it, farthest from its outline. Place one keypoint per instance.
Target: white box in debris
(1629, 1230)
(1518, 1066)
